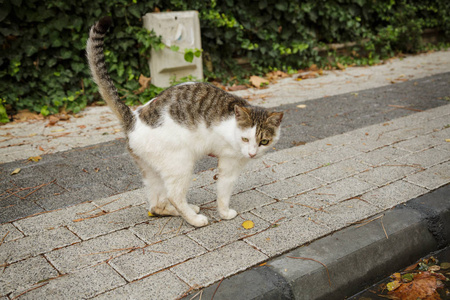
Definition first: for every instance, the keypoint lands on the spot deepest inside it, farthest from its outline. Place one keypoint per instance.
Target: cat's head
(257, 129)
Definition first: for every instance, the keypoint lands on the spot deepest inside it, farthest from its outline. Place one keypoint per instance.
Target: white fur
(167, 155)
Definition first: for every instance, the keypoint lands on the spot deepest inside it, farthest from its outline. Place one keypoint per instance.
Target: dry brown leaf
(340, 66)
(248, 224)
(16, 171)
(423, 286)
(34, 158)
(258, 81)
(237, 88)
(52, 120)
(25, 115)
(144, 82)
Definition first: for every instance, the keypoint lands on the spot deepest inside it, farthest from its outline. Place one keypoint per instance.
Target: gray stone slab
(342, 189)
(293, 186)
(93, 251)
(334, 154)
(384, 174)
(333, 172)
(83, 284)
(249, 200)
(37, 244)
(264, 162)
(227, 231)
(15, 208)
(418, 144)
(383, 155)
(204, 178)
(426, 158)
(143, 262)
(393, 194)
(287, 235)
(149, 288)
(57, 218)
(199, 196)
(249, 181)
(292, 168)
(433, 177)
(110, 222)
(131, 198)
(21, 275)
(212, 266)
(344, 214)
(364, 248)
(159, 229)
(8, 233)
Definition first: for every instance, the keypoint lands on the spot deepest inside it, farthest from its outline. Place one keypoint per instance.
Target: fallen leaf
(248, 224)
(52, 120)
(81, 126)
(434, 268)
(407, 277)
(58, 130)
(40, 148)
(16, 171)
(237, 88)
(301, 106)
(63, 116)
(423, 286)
(144, 82)
(258, 81)
(150, 214)
(393, 285)
(340, 66)
(32, 134)
(445, 265)
(447, 140)
(24, 115)
(34, 158)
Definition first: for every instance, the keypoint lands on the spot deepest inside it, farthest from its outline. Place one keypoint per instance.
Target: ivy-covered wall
(43, 66)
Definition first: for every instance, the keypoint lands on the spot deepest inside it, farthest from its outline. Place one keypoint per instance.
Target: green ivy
(43, 66)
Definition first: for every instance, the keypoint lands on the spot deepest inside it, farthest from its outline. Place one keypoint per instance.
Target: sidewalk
(315, 200)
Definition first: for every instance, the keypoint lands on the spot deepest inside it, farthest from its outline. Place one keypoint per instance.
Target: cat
(168, 134)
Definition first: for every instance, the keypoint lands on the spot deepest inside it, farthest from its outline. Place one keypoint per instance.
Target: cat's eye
(264, 142)
(245, 139)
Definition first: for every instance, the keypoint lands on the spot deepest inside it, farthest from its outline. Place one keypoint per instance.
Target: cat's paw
(198, 221)
(195, 208)
(227, 215)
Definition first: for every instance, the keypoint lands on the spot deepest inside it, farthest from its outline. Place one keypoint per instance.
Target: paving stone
(292, 168)
(199, 196)
(53, 219)
(384, 174)
(8, 233)
(160, 229)
(393, 194)
(293, 186)
(149, 288)
(334, 154)
(342, 189)
(212, 266)
(417, 144)
(21, 275)
(339, 170)
(433, 177)
(15, 208)
(204, 178)
(426, 158)
(345, 213)
(227, 231)
(249, 200)
(110, 222)
(131, 198)
(287, 235)
(262, 163)
(140, 263)
(383, 155)
(36, 244)
(277, 157)
(293, 207)
(83, 284)
(93, 251)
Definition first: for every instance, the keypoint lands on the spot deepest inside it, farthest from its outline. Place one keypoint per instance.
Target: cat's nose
(252, 155)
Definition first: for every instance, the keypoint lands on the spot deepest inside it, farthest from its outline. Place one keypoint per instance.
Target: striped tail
(97, 64)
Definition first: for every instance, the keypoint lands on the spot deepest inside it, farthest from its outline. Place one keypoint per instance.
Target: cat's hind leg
(176, 175)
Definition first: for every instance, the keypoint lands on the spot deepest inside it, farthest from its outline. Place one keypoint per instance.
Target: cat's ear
(275, 118)
(242, 115)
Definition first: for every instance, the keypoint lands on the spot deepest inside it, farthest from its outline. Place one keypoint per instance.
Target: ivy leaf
(174, 48)
(189, 55)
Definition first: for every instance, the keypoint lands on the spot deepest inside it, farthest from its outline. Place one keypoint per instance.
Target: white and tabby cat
(169, 134)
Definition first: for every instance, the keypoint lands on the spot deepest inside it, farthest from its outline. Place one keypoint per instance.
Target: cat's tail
(97, 64)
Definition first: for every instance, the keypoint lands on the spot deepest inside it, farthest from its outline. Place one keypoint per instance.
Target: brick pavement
(110, 248)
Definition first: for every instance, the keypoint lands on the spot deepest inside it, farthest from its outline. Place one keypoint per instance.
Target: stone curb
(356, 256)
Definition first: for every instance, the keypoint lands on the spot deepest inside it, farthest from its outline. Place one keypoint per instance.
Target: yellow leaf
(258, 81)
(34, 158)
(151, 215)
(16, 171)
(447, 140)
(32, 134)
(58, 130)
(393, 285)
(248, 224)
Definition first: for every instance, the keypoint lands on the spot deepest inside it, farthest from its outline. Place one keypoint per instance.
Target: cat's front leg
(229, 170)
